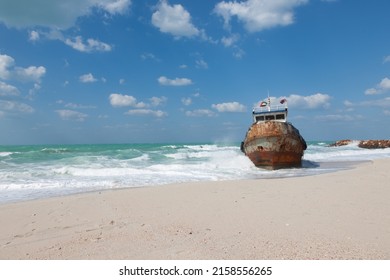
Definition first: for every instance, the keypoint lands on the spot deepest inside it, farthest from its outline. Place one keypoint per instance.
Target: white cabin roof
(270, 113)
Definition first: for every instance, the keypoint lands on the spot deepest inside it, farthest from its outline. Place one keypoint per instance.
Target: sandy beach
(340, 215)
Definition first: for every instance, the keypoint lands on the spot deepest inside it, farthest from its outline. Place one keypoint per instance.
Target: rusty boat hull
(274, 145)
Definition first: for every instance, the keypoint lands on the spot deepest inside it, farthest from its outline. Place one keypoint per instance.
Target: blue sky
(132, 71)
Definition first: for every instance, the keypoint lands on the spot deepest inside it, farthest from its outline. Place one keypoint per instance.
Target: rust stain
(274, 145)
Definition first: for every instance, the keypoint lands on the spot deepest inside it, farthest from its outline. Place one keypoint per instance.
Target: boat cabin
(270, 113)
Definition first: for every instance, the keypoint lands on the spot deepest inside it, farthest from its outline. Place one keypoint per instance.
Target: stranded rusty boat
(271, 142)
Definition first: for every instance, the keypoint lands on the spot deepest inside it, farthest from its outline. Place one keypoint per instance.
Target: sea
(40, 171)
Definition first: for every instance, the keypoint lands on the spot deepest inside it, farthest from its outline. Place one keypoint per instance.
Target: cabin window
(270, 117)
(260, 118)
(280, 116)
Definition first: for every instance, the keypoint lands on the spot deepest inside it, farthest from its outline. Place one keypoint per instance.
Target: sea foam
(29, 172)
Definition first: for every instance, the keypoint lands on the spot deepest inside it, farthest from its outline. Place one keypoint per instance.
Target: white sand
(342, 215)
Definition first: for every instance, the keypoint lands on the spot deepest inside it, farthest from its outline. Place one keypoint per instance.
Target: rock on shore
(339, 143)
(366, 144)
(374, 144)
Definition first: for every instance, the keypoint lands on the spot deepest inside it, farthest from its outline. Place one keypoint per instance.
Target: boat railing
(259, 109)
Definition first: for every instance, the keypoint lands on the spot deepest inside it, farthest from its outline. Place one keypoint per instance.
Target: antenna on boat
(269, 102)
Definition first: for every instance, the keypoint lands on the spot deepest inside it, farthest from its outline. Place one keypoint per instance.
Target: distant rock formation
(341, 143)
(366, 144)
(374, 144)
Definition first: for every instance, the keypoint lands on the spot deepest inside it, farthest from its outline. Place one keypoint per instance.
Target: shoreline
(329, 167)
(337, 215)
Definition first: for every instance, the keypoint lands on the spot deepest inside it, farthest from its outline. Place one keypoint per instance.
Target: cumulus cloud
(120, 100)
(231, 40)
(6, 62)
(380, 88)
(231, 107)
(156, 113)
(91, 45)
(200, 113)
(13, 106)
(187, 101)
(8, 90)
(57, 14)
(175, 20)
(157, 101)
(8, 71)
(71, 115)
(30, 74)
(34, 36)
(314, 101)
(258, 15)
(87, 78)
(116, 6)
(174, 82)
(385, 84)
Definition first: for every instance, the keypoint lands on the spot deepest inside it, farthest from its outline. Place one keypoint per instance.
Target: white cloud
(149, 56)
(56, 14)
(8, 71)
(174, 20)
(386, 59)
(230, 41)
(8, 90)
(78, 106)
(200, 63)
(238, 53)
(6, 62)
(380, 88)
(231, 107)
(91, 45)
(339, 117)
(71, 115)
(116, 6)
(157, 101)
(186, 101)
(174, 82)
(200, 113)
(258, 15)
(348, 103)
(87, 78)
(14, 106)
(371, 91)
(157, 113)
(34, 90)
(120, 100)
(314, 101)
(385, 84)
(34, 36)
(382, 103)
(30, 74)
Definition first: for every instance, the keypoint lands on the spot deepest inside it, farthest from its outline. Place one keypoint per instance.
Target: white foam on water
(58, 171)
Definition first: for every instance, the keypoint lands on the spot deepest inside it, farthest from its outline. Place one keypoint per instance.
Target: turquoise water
(29, 172)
